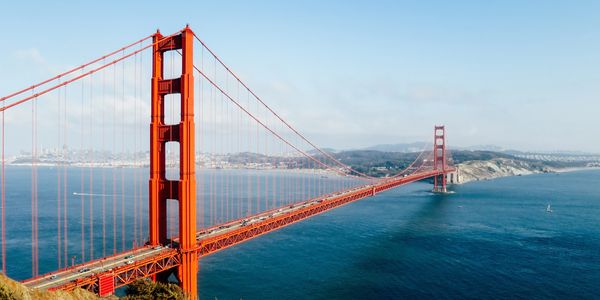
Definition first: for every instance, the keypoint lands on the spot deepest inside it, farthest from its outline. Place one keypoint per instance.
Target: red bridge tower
(439, 159)
(184, 189)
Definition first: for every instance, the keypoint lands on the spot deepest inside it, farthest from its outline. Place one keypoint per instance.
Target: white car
(130, 262)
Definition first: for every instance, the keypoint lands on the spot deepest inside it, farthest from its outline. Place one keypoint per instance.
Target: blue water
(113, 203)
(489, 240)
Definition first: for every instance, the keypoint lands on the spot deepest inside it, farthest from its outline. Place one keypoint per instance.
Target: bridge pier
(106, 285)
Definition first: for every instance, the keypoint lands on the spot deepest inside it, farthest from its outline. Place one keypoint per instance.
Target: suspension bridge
(110, 200)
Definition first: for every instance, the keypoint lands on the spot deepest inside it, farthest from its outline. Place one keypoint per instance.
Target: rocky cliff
(498, 167)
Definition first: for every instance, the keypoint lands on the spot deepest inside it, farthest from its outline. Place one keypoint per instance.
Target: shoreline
(575, 169)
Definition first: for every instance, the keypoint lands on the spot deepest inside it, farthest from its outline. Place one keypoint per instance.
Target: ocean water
(107, 208)
(489, 240)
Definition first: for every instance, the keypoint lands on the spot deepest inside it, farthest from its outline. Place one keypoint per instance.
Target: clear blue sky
(518, 74)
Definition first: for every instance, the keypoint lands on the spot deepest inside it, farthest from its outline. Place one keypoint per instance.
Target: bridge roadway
(126, 267)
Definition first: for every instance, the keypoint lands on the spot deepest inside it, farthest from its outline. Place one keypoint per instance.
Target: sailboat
(548, 209)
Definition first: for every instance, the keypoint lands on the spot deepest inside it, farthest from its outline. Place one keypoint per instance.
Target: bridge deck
(143, 262)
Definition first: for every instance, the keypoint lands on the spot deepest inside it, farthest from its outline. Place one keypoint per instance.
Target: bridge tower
(439, 158)
(183, 190)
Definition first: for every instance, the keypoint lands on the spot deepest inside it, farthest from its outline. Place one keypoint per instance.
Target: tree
(147, 290)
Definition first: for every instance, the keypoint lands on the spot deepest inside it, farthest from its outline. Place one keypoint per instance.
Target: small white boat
(548, 209)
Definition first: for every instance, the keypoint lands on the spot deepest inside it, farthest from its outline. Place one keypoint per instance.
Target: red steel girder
(128, 273)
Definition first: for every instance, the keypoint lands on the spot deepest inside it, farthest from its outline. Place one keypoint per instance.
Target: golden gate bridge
(221, 167)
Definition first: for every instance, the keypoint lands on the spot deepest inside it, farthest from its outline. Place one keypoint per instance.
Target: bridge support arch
(160, 188)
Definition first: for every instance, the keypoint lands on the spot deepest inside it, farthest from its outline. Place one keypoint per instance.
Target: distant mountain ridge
(420, 146)
(326, 150)
(401, 147)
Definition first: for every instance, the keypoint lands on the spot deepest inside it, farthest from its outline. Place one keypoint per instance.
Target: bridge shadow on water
(385, 268)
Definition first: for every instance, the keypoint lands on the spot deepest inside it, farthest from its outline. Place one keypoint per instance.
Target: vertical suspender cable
(58, 195)
(91, 161)
(141, 224)
(82, 178)
(226, 134)
(266, 160)
(32, 195)
(214, 175)
(239, 151)
(202, 144)
(223, 177)
(37, 253)
(65, 184)
(114, 156)
(3, 202)
(123, 156)
(135, 182)
(34, 236)
(103, 158)
(257, 173)
(248, 148)
(37, 259)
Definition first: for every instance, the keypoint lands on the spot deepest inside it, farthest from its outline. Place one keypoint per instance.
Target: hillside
(12, 290)
(498, 167)
(141, 289)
